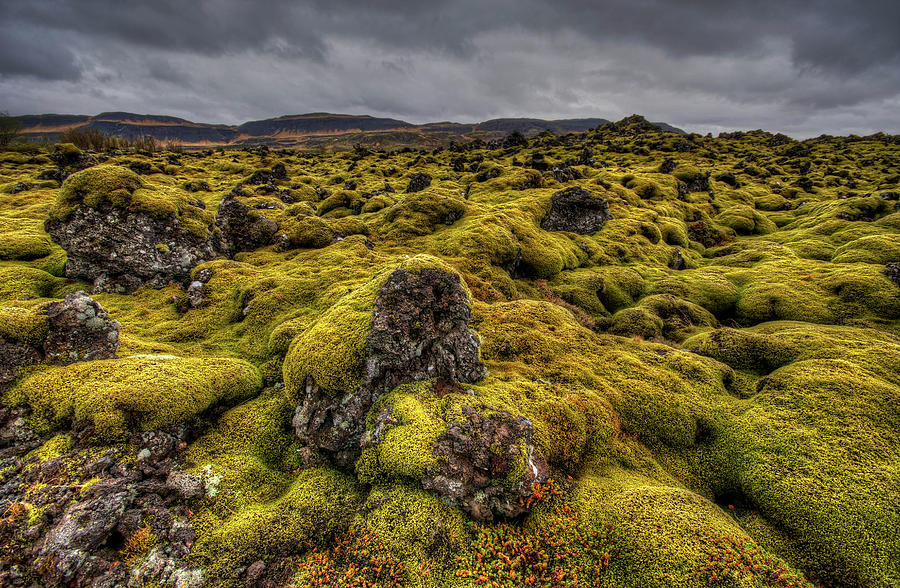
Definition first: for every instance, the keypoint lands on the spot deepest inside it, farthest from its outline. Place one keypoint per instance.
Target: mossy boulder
(110, 222)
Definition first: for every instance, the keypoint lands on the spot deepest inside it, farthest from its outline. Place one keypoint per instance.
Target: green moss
(315, 506)
(121, 188)
(745, 220)
(743, 349)
(135, 393)
(28, 324)
(881, 249)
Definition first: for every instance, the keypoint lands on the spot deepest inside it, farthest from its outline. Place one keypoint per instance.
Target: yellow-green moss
(134, 393)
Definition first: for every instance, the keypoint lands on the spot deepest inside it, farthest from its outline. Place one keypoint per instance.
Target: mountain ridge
(316, 130)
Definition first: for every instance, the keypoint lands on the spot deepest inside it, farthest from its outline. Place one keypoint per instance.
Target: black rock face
(479, 451)
(578, 211)
(242, 228)
(420, 330)
(119, 250)
(418, 182)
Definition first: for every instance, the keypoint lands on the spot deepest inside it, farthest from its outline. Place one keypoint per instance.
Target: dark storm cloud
(799, 65)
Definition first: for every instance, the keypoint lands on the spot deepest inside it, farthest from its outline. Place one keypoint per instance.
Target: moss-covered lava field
(623, 358)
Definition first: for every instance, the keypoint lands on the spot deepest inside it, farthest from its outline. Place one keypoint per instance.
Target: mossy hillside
(132, 394)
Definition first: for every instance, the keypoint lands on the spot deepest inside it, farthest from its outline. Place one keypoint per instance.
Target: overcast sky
(799, 67)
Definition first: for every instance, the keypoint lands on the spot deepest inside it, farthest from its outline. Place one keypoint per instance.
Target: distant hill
(317, 130)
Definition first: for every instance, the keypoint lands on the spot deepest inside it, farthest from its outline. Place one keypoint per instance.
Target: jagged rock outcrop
(91, 504)
(488, 465)
(80, 330)
(576, 210)
(119, 250)
(418, 182)
(419, 330)
(120, 233)
(76, 329)
(242, 228)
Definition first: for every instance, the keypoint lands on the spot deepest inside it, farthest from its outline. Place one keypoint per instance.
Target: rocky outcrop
(892, 271)
(419, 330)
(418, 182)
(93, 505)
(488, 465)
(576, 210)
(242, 228)
(79, 329)
(119, 249)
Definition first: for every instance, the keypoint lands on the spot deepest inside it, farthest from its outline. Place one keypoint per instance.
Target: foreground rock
(120, 233)
(576, 210)
(241, 227)
(892, 271)
(479, 459)
(107, 517)
(419, 330)
(74, 329)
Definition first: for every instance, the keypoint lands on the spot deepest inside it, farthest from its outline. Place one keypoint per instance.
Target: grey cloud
(802, 65)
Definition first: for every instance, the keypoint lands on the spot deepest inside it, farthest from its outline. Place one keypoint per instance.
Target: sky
(802, 67)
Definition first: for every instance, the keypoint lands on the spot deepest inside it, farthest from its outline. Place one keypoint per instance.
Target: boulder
(242, 228)
(80, 330)
(418, 182)
(576, 210)
(419, 330)
(120, 233)
(488, 465)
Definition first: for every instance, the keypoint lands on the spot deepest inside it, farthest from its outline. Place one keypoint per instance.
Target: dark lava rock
(586, 157)
(80, 330)
(537, 162)
(576, 210)
(566, 174)
(677, 262)
(488, 174)
(889, 196)
(68, 159)
(13, 356)
(667, 166)
(892, 271)
(265, 176)
(514, 139)
(142, 168)
(418, 182)
(728, 178)
(420, 330)
(119, 249)
(705, 234)
(241, 227)
(21, 187)
(477, 458)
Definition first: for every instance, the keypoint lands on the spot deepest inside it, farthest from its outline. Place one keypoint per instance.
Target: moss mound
(138, 393)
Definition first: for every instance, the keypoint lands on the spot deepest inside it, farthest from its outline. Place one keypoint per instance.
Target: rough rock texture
(892, 271)
(420, 330)
(119, 250)
(80, 330)
(488, 466)
(576, 210)
(241, 227)
(90, 504)
(15, 355)
(418, 182)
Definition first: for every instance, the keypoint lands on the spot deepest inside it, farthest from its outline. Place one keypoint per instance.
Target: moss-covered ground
(734, 421)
